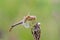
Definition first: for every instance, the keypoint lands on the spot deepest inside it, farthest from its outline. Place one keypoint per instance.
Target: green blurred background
(47, 12)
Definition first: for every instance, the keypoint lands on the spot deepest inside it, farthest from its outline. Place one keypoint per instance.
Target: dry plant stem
(36, 32)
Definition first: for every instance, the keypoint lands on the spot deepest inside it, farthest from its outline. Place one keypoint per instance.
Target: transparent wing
(26, 24)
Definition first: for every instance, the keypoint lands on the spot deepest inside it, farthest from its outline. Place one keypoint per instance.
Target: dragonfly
(24, 22)
(30, 21)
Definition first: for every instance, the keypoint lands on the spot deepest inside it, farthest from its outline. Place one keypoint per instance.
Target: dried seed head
(39, 24)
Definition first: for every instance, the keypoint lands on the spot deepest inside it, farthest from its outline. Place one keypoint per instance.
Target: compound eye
(27, 17)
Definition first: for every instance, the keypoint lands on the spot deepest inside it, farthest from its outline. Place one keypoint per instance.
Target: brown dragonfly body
(24, 20)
